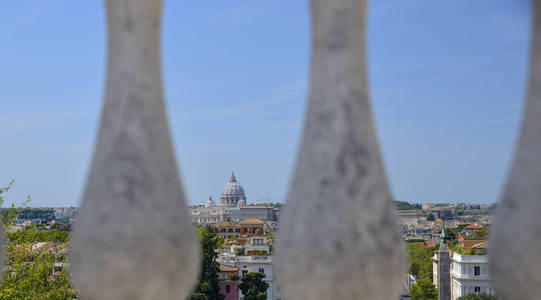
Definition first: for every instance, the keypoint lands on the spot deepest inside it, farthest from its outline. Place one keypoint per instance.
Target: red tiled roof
(472, 226)
(224, 268)
(429, 244)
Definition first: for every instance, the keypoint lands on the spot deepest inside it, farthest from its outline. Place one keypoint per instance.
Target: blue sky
(447, 80)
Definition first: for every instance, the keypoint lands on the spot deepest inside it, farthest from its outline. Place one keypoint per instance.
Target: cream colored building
(469, 274)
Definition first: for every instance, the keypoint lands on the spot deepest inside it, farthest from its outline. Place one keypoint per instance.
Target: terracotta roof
(227, 224)
(251, 221)
(224, 268)
(482, 245)
(472, 226)
(429, 244)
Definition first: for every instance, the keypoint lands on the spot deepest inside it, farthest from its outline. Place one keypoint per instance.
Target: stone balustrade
(515, 245)
(134, 238)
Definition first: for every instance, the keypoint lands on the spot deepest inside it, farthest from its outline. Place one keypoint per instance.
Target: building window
(227, 289)
(261, 270)
(477, 289)
(477, 270)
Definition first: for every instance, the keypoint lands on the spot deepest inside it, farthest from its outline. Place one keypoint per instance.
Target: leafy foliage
(253, 287)
(240, 251)
(30, 275)
(34, 235)
(481, 233)
(416, 241)
(208, 287)
(403, 205)
(482, 296)
(45, 214)
(430, 217)
(34, 272)
(420, 261)
(4, 189)
(424, 290)
(451, 233)
(420, 264)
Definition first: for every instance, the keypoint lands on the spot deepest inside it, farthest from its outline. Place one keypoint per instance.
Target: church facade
(232, 207)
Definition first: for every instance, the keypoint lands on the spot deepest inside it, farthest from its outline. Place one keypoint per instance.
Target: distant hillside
(45, 214)
(403, 205)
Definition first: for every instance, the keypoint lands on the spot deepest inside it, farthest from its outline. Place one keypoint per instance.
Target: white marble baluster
(134, 237)
(515, 242)
(339, 238)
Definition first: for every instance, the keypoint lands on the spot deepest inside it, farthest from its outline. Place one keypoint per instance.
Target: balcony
(479, 259)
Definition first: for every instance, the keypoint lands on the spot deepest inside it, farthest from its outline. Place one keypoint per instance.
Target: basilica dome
(232, 193)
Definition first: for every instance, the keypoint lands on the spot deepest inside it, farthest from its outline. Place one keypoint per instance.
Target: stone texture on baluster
(134, 237)
(515, 245)
(339, 238)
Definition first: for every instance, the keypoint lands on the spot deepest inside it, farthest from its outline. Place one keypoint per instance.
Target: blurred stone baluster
(134, 237)
(339, 238)
(515, 240)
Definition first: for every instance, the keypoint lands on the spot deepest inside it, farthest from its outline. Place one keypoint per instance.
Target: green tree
(253, 287)
(240, 251)
(4, 189)
(30, 275)
(481, 233)
(482, 296)
(31, 272)
(403, 205)
(430, 217)
(420, 261)
(424, 290)
(208, 287)
(33, 234)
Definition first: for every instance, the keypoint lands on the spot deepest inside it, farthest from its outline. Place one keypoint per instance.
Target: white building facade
(232, 207)
(252, 263)
(469, 274)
